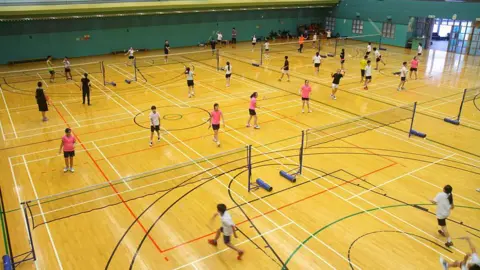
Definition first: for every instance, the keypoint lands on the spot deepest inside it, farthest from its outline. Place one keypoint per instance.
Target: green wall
(37, 39)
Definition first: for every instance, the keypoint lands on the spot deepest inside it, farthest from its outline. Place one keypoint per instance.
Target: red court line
(284, 206)
(106, 179)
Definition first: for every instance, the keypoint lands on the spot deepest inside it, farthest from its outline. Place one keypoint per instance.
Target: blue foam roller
(7, 262)
(114, 84)
(288, 176)
(452, 121)
(418, 134)
(255, 65)
(128, 81)
(263, 185)
(330, 54)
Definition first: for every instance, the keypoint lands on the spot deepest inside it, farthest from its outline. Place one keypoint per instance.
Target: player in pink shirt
(68, 145)
(414, 67)
(305, 91)
(215, 116)
(252, 110)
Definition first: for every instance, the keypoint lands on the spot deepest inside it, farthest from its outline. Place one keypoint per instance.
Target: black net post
(249, 166)
(7, 234)
(261, 55)
(300, 160)
(336, 43)
(135, 69)
(461, 104)
(413, 118)
(102, 68)
(217, 52)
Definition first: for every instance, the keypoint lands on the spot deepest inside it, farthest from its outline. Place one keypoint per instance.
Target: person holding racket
(189, 75)
(284, 69)
(215, 117)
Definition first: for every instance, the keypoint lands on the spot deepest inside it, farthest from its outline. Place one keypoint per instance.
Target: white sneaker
(214, 140)
(478, 189)
(309, 111)
(398, 88)
(158, 139)
(303, 111)
(66, 169)
(444, 264)
(189, 95)
(248, 125)
(256, 127)
(72, 169)
(333, 97)
(218, 143)
(193, 94)
(150, 144)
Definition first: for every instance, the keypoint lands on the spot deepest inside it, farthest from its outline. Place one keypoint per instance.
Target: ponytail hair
(228, 66)
(448, 189)
(253, 95)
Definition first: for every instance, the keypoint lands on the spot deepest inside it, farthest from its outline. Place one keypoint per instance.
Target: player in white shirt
(368, 74)
(191, 85)
(470, 261)
(444, 202)
(219, 38)
(266, 47)
(317, 60)
(228, 228)
(154, 124)
(419, 49)
(403, 77)
(378, 58)
(314, 39)
(329, 35)
(68, 72)
(254, 42)
(131, 56)
(369, 48)
(228, 73)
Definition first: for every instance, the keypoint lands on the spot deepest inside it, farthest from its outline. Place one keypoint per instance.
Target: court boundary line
(8, 113)
(69, 113)
(111, 165)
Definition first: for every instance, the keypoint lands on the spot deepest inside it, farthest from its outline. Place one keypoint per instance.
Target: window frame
(330, 23)
(357, 26)
(388, 29)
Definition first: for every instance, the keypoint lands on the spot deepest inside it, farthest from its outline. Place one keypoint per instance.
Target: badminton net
(288, 47)
(357, 125)
(356, 46)
(43, 74)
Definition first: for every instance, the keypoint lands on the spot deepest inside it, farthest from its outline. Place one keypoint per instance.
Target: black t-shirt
(166, 47)
(40, 96)
(342, 55)
(85, 84)
(336, 78)
(286, 65)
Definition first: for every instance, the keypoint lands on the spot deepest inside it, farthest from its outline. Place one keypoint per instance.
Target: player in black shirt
(284, 69)
(342, 58)
(86, 88)
(41, 101)
(336, 81)
(166, 50)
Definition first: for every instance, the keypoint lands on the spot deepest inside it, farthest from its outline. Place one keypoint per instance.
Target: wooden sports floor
(360, 203)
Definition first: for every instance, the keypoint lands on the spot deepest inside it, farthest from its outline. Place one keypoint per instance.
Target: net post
(413, 118)
(301, 153)
(217, 51)
(6, 232)
(461, 104)
(135, 69)
(249, 166)
(336, 43)
(25, 205)
(319, 44)
(380, 43)
(261, 55)
(102, 68)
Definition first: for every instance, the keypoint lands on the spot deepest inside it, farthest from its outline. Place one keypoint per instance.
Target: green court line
(5, 242)
(352, 215)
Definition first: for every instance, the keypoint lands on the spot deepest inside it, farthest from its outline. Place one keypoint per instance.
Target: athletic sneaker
(256, 127)
(478, 189)
(66, 169)
(309, 111)
(441, 233)
(215, 140)
(365, 88)
(303, 111)
(448, 244)
(72, 169)
(248, 125)
(443, 263)
(398, 89)
(240, 254)
(158, 139)
(212, 242)
(151, 144)
(218, 143)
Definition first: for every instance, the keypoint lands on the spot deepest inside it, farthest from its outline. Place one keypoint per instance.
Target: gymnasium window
(357, 27)
(388, 30)
(330, 23)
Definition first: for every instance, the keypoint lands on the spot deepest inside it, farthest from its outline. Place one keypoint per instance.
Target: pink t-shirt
(306, 89)
(216, 117)
(414, 64)
(68, 143)
(253, 103)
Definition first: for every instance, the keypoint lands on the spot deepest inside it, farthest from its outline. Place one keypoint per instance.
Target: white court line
(75, 120)
(17, 189)
(8, 113)
(111, 165)
(401, 176)
(43, 216)
(1, 130)
(42, 80)
(238, 244)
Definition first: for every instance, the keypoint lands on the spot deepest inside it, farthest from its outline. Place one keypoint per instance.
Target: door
(460, 37)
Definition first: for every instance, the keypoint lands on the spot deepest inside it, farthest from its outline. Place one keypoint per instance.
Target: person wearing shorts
(68, 146)
(131, 56)
(227, 229)
(444, 202)
(266, 46)
(228, 73)
(368, 74)
(342, 58)
(154, 124)
(317, 60)
(166, 50)
(363, 65)
(252, 111)
(215, 117)
(314, 39)
(284, 69)
(213, 44)
(378, 58)
(369, 48)
(254, 42)
(419, 49)
(41, 98)
(301, 40)
(234, 36)
(470, 261)
(305, 91)
(86, 86)
(68, 72)
(336, 81)
(403, 77)
(414, 67)
(51, 70)
(191, 85)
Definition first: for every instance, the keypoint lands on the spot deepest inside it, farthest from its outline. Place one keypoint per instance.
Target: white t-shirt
(369, 48)
(329, 34)
(377, 54)
(314, 37)
(368, 70)
(419, 49)
(443, 205)
(190, 76)
(267, 45)
(131, 51)
(317, 59)
(227, 70)
(254, 40)
(227, 224)
(403, 72)
(473, 260)
(66, 63)
(219, 36)
(154, 119)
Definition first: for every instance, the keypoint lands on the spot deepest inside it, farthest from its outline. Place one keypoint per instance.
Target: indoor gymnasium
(222, 134)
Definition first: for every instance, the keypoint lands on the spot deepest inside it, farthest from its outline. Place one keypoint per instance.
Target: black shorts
(305, 98)
(362, 72)
(267, 50)
(342, 61)
(442, 222)
(234, 40)
(228, 75)
(252, 112)
(317, 64)
(419, 54)
(165, 51)
(379, 58)
(67, 70)
(413, 69)
(154, 128)
(215, 126)
(131, 57)
(368, 77)
(43, 107)
(254, 43)
(68, 154)
(403, 79)
(226, 239)
(367, 53)
(190, 83)
(51, 72)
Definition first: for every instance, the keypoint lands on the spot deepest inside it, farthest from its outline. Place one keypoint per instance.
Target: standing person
(215, 116)
(131, 56)
(234, 37)
(68, 146)
(266, 46)
(154, 124)
(228, 228)
(419, 49)
(317, 60)
(368, 74)
(191, 85)
(228, 73)
(51, 70)
(254, 42)
(305, 91)
(336, 81)
(329, 35)
(403, 77)
(301, 40)
(68, 72)
(342, 58)
(284, 69)
(314, 39)
(252, 110)
(414, 67)
(444, 202)
(471, 261)
(363, 65)
(213, 43)
(166, 50)
(219, 38)
(86, 88)
(369, 48)
(378, 57)
(41, 98)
